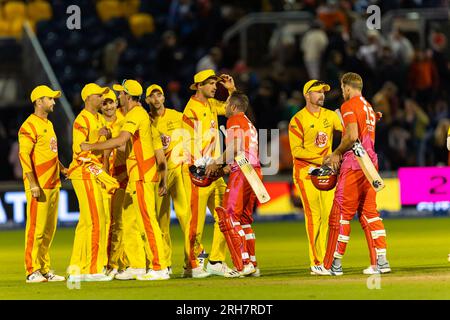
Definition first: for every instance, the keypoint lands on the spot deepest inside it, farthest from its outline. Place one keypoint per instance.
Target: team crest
(53, 144)
(321, 139)
(95, 170)
(165, 141)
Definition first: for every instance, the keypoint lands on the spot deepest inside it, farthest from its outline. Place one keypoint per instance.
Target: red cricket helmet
(198, 176)
(323, 178)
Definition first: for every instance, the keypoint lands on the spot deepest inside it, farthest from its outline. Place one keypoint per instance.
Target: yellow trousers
(115, 245)
(89, 247)
(42, 215)
(176, 192)
(200, 198)
(133, 239)
(317, 206)
(143, 198)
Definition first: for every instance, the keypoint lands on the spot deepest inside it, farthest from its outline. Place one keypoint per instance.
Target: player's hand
(162, 189)
(85, 146)
(333, 161)
(64, 171)
(212, 169)
(35, 191)
(378, 116)
(104, 132)
(228, 82)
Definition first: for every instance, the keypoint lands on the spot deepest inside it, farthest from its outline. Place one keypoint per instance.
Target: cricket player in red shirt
(240, 199)
(354, 192)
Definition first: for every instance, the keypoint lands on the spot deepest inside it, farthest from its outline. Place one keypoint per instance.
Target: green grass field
(417, 251)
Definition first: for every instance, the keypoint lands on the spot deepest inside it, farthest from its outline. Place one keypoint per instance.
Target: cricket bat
(252, 178)
(365, 163)
(367, 166)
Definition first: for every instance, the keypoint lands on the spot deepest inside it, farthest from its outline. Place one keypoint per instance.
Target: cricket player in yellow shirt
(146, 167)
(169, 122)
(311, 137)
(88, 179)
(201, 144)
(38, 154)
(114, 118)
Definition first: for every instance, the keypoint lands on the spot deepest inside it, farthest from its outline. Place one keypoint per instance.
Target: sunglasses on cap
(315, 84)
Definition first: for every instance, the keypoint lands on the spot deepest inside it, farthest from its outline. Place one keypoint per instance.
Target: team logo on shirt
(321, 139)
(53, 144)
(165, 141)
(95, 170)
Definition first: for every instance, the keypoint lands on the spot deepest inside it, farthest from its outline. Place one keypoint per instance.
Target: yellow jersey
(38, 152)
(117, 158)
(200, 121)
(86, 129)
(311, 136)
(169, 125)
(141, 160)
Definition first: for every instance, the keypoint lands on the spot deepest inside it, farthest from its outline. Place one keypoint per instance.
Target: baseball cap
(132, 87)
(92, 88)
(110, 95)
(43, 91)
(152, 88)
(202, 76)
(315, 85)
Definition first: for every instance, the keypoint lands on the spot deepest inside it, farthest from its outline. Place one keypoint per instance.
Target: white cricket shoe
(248, 270)
(36, 277)
(51, 277)
(154, 275)
(197, 273)
(233, 274)
(370, 270)
(97, 277)
(218, 269)
(112, 272)
(169, 270)
(257, 273)
(129, 274)
(320, 271)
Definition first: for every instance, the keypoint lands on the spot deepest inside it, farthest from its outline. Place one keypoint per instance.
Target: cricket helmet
(323, 178)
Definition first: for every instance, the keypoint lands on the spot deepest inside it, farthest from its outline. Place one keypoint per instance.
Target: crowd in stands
(168, 41)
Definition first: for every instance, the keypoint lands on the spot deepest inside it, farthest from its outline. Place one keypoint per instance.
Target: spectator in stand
(386, 102)
(401, 47)
(417, 121)
(370, 52)
(423, 77)
(210, 61)
(313, 45)
(169, 57)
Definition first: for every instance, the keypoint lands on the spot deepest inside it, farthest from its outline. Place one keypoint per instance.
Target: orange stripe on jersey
(188, 121)
(26, 134)
(80, 128)
(33, 129)
(44, 167)
(88, 125)
(148, 164)
(137, 147)
(299, 125)
(30, 236)
(24, 161)
(324, 152)
(194, 114)
(299, 135)
(147, 225)
(310, 220)
(95, 236)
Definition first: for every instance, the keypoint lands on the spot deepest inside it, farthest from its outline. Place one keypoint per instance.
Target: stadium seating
(109, 9)
(140, 24)
(39, 10)
(14, 10)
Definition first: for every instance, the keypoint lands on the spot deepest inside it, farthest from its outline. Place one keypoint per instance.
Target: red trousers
(354, 194)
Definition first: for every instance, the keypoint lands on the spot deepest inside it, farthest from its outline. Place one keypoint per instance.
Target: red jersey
(240, 127)
(358, 110)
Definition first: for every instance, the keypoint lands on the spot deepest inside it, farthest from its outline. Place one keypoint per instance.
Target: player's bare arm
(34, 184)
(228, 83)
(214, 168)
(104, 131)
(351, 135)
(113, 143)
(162, 170)
(62, 169)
